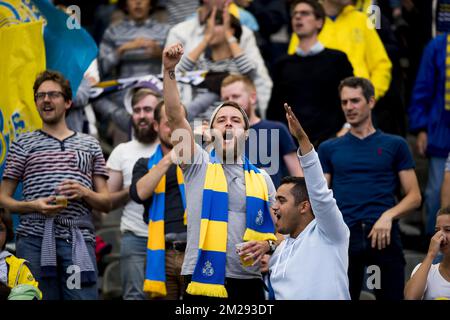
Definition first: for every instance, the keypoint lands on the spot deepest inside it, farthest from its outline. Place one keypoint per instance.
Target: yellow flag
(22, 57)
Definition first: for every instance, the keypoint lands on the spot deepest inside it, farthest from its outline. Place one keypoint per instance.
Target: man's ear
(68, 104)
(320, 24)
(305, 207)
(372, 102)
(253, 97)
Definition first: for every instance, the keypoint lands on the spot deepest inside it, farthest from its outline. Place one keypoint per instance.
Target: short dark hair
(55, 76)
(6, 218)
(443, 211)
(318, 9)
(358, 82)
(299, 190)
(158, 110)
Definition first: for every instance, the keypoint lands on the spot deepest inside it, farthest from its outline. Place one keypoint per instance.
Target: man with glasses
(64, 178)
(308, 79)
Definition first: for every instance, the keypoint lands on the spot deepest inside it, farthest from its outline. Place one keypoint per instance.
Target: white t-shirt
(437, 287)
(123, 158)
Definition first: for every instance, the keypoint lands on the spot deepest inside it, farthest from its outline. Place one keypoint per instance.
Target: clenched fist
(172, 55)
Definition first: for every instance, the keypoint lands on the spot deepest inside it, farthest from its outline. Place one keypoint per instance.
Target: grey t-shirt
(194, 179)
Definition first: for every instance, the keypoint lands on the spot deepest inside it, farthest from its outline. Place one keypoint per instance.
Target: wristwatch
(272, 246)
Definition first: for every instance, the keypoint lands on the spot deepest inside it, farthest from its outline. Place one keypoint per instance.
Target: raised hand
(294, 125)
(172, 55)
(297, 131)
(210, 24)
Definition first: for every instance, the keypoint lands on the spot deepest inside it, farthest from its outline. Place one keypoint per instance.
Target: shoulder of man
(393, 138)
(270, 124)
(332, 143)
(87, 138)
(27, 138)
(335, 54)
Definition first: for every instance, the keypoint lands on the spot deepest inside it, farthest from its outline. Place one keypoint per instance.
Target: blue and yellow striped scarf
(155, 273)
(209, 273)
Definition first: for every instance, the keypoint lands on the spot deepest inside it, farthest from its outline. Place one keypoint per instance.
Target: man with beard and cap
(120, 164)
(64, 178)
(158, 184)
(227, 200)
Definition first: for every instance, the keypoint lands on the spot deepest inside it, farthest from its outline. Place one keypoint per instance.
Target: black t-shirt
(174, 212)
(310, 86)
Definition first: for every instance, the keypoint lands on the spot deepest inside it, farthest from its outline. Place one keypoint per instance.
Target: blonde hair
(232, 78)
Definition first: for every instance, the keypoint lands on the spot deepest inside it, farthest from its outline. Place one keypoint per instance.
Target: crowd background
(130, 44)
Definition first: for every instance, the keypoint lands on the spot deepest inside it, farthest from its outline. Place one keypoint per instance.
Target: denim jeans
(63, 287)
(436, 169)
(390, 261)
(133, 252)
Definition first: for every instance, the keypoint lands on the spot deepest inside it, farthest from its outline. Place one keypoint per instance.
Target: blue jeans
(390, 261)
(133, 253)
(436, 169)
(59, 288)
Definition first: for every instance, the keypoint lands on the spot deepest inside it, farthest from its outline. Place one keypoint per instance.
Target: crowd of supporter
(358, 89)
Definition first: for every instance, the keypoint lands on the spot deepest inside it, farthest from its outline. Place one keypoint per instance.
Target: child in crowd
(13, 271)
(432, 281)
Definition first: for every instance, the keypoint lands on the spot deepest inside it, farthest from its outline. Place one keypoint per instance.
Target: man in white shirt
(312, 262)
(120, 165)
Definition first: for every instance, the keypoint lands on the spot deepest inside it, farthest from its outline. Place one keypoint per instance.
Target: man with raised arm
(311, 263)
(227, 200)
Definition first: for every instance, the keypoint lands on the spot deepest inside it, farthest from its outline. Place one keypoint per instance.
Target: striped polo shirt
(41, 162)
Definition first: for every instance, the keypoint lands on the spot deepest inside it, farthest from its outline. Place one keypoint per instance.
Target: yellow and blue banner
(35, 36)
(21, 60)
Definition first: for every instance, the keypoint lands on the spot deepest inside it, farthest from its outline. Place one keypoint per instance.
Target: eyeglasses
(40, 96)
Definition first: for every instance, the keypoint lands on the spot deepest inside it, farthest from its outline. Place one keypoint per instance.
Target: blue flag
(69, 49)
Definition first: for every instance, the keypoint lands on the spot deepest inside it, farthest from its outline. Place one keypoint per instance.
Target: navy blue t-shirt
(265, 148)
(364, 173)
